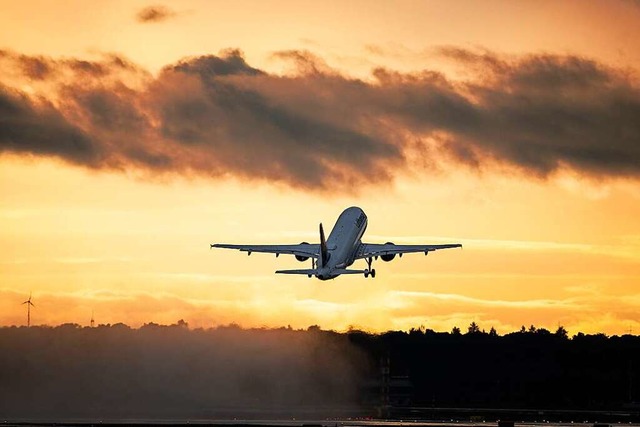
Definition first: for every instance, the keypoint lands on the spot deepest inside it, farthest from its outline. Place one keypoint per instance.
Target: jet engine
(388, 257)
(300, 257)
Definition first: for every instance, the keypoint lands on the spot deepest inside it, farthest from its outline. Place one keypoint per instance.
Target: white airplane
(332, 256)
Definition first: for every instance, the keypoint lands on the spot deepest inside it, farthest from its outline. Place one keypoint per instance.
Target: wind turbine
(29, 304)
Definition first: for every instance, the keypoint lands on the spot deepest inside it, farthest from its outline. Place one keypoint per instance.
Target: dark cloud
(248, 126)
(538, 113)
(157, 13)
(305, 61)
(314, 127)
(30, 128)
(210, 66)
(545, 112)
(33, 67)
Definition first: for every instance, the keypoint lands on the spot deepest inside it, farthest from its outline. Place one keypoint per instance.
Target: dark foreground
(113, 372)
(411, 416)
(307, 423)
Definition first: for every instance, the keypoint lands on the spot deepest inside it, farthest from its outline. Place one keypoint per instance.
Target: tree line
(530, 368)
(160, 371)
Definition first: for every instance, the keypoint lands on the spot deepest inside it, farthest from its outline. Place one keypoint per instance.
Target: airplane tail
(324, 251)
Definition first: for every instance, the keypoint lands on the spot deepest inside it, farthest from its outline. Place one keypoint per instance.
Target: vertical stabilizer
(324, 252)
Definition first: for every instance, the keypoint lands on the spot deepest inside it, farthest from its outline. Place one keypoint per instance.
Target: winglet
(324, 252)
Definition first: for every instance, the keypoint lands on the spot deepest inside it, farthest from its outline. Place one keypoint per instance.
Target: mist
(115, 372)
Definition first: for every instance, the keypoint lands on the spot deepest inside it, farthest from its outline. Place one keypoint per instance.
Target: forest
(156, 371)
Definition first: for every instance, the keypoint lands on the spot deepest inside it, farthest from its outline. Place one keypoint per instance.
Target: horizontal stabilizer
(311, 271)
(348, 271)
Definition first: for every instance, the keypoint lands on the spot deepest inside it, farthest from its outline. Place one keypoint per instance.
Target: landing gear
(313, 267)
(369, 270)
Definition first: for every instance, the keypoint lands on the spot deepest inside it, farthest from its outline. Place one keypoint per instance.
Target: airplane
(332, 256)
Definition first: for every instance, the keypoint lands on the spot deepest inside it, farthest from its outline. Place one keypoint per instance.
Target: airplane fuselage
(343, 242)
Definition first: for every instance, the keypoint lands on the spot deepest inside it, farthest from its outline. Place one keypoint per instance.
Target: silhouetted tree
(473, 328)
(561, 332)
(182, 324)
(455, 331)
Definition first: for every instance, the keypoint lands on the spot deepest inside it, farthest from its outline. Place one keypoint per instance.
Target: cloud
(39, 128)
(153, 14)
(316, 128)
(543, 112)
(411, 296)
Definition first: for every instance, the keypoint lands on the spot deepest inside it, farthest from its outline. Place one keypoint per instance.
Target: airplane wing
(303, 249)
(368, 250)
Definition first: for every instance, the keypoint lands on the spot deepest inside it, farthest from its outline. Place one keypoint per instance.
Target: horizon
(531, 329)
(134, 134)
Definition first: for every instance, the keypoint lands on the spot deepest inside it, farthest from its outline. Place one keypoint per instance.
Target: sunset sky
(133, 134)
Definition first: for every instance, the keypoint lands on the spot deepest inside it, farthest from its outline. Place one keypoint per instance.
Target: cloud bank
(217, 116)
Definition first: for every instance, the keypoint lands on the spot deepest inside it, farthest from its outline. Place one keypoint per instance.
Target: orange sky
(547, 240)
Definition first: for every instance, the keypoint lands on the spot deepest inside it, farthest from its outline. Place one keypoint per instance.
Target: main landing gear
(369, 270)
(313, 267)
